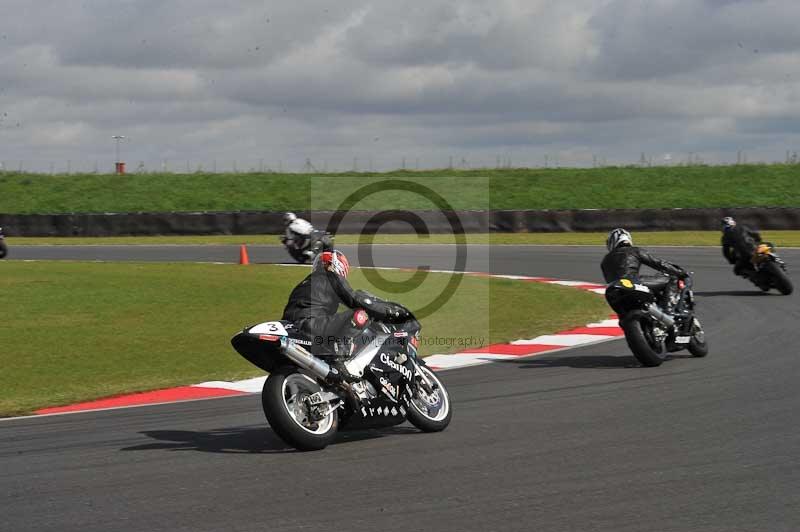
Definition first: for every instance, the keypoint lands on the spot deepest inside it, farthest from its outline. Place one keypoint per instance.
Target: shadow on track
(243, 440)
(733, 293)
(584, 362)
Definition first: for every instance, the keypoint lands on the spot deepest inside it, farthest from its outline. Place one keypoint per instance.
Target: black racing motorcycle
(306, 399)
(769, 270)
(651, 331)
(3, 246)
(304, 250)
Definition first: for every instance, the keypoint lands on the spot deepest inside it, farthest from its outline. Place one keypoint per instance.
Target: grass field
(628, 187)
(76, 331)
(644, 238)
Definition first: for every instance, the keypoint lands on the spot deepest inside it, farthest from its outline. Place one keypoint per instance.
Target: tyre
(290, 416)
(640, 346)
(430, 412)
(780, 280)
(698, 346)
(298, 256)
(3, 249)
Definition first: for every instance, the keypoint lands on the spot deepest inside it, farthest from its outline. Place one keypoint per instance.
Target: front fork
(423, 380)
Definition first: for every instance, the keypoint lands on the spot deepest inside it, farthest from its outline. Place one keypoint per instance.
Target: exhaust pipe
(306, 360)
(665, 319)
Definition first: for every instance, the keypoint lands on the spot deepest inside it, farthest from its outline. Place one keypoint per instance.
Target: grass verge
(645, 238)
(77, 331)
(524, 188)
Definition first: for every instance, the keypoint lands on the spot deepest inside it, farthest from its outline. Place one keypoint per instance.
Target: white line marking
(604, 323)
(563, 339)
(253, 385)
(460, 360)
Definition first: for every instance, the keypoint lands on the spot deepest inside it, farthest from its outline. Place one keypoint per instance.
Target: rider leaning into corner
(3, 247)
(739, 242)
(624, 260)
(313, 305)
(298, 233)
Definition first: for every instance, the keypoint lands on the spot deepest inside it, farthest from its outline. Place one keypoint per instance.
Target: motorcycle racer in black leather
(624, 260)
(313, 304)
(738, 244)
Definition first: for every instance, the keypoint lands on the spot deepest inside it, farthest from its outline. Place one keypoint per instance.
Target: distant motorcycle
(3, 246)
(769, 271)
(304, 250)
(306, 399)
(651, 332)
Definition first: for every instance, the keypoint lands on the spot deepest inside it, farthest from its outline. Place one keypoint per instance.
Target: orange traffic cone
(243, 258)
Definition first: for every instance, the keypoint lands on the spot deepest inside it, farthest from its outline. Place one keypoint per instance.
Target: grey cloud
(202, 80)
(652, 40)
(493, 36)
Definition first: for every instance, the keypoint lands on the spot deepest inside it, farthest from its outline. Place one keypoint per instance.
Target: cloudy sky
(373, 83)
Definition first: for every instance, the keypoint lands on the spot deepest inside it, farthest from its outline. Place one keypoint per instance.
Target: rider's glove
(377, 307)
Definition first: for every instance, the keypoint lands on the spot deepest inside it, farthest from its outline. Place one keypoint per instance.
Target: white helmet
(289, 217)
(618, 237)
(728, 222)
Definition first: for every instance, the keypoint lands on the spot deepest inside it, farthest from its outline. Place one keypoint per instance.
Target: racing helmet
(289, 217)
(618, 237)
(727, 223)
(332, 261)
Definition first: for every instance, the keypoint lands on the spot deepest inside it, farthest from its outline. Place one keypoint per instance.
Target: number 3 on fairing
(269, 327)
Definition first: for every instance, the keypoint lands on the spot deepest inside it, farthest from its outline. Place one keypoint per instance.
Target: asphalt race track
(581, 440)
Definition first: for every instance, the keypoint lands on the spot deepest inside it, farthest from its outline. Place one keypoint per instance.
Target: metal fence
(372, 164)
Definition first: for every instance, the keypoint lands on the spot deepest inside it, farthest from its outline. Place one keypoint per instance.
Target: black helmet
(728, 222)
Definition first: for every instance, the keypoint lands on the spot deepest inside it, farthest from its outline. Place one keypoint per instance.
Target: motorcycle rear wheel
(3, 249)
(283, 401)
(430, 412)
(640, 346)
(780, 280)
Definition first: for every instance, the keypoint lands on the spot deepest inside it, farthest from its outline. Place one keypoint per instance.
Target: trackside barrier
(500, 221)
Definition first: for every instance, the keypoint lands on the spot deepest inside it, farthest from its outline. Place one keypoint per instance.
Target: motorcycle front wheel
(3, 249)
(285, 399)
(779, 278)
(698, 346)
(430, 409)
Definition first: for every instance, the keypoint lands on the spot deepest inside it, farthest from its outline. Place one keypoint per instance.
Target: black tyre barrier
(522, 221)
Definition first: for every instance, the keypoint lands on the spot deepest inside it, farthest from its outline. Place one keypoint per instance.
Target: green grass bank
(566, 188)
(76, 331)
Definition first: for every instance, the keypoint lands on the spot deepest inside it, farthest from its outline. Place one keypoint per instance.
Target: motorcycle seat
(655, 284)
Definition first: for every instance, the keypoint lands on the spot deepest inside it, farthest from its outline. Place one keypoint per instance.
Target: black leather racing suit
(313, 304)
(625, 263)
(738, 245)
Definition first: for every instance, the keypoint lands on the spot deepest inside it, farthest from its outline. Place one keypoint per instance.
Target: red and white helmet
(332, 261)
